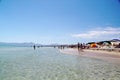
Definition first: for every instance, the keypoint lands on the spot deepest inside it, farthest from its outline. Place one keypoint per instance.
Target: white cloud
(100, 32)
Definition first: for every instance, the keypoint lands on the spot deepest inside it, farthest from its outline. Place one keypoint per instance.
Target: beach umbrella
(104, 42)
(107, 42)
(93, 45)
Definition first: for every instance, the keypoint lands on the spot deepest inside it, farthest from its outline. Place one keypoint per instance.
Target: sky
(59, 21)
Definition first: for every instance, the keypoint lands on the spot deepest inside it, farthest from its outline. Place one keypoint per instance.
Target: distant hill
(115, 40)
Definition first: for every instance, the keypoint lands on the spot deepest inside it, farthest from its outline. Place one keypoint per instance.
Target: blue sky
(59, 21)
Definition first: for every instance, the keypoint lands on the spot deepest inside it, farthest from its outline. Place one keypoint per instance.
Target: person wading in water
(78, 45)
(34, 47)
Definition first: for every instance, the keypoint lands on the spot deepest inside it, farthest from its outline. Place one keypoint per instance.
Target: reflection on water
(50, 64)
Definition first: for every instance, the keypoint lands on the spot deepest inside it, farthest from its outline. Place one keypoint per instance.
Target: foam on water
(22, 63)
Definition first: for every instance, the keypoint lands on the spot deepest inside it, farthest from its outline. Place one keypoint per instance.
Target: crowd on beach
(111, 45)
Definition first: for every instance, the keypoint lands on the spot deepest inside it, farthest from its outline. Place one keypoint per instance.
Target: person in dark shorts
(34, 47)
(78, 45)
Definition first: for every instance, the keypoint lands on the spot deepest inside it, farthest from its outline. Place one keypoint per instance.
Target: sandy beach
(112, 57)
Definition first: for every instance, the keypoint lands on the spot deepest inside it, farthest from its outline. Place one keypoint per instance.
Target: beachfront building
(115, 43)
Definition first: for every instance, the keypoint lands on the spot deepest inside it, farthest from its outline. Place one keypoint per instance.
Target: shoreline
(112, 57)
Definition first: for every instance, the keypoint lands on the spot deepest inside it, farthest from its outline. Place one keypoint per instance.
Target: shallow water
(24, 63)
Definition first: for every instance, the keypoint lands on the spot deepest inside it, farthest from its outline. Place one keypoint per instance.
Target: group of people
(80, 46)
(34, 47)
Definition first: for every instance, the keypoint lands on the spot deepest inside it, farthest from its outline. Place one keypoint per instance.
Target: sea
(47, 63)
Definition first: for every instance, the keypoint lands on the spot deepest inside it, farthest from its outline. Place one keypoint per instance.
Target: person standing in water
(34, 47)
(78, 45)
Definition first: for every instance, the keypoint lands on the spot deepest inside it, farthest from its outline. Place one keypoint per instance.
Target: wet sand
(112, 57)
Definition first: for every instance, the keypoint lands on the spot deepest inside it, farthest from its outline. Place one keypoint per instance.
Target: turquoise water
(24, 63)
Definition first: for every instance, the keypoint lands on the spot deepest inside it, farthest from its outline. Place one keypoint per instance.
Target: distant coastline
(4, 44)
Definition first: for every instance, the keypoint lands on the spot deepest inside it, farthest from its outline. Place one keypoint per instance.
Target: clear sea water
(24, 63)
